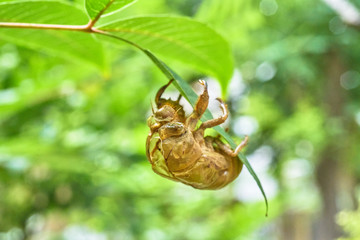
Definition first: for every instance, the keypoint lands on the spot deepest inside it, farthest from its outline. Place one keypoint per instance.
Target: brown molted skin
(177, 150)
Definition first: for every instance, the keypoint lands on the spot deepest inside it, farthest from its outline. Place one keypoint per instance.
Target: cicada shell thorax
(180, 152)
(172, 149)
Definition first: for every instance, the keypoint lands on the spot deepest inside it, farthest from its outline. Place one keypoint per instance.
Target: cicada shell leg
(227, 150)
(200, 107)
(160, 93)
(217, 121)
(178, 99)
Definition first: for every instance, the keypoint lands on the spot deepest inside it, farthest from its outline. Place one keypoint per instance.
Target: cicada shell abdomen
(211, 171)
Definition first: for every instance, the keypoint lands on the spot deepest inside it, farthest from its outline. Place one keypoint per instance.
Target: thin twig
(81, 28)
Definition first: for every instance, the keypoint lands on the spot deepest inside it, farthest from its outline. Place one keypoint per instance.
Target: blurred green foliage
(350, 221)
(72, 139)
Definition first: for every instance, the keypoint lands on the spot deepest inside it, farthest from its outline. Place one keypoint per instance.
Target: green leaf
(95, 8)
(191, 96)
(67, 44)
(180, 38)
(48, 12)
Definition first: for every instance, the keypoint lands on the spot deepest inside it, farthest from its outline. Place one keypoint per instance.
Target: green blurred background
(72, 140)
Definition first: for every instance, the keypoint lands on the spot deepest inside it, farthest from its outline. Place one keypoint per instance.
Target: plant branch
(80, 28)
(93, 21)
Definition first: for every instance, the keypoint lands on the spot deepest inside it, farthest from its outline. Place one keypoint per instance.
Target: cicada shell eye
(165, 114)
(171, 129)
(151, 121)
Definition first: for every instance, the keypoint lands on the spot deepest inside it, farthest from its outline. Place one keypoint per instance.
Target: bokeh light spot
(337, 26)
(350, 80)
(245, 125)
(268, 7)
(265, 71)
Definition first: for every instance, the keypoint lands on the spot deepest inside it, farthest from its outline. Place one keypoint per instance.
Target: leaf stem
(97, 17)
(95, 30)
